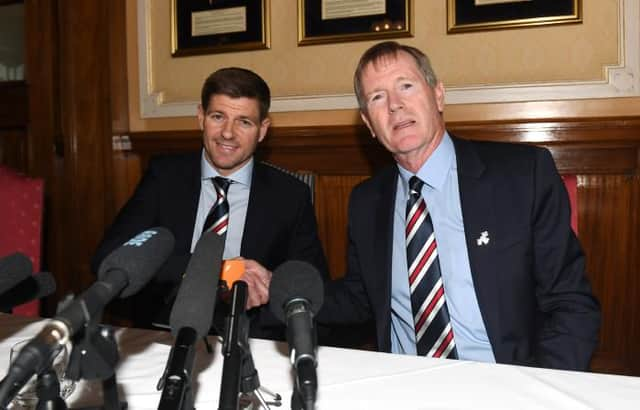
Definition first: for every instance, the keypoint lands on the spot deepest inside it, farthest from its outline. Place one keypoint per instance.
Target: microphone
(296, 295)
(33, 287)
(123, 272)
(191, 317)
(14, 269)
(235, 333)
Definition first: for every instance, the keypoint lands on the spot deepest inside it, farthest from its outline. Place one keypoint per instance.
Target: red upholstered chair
(571, 183)
(21, 209)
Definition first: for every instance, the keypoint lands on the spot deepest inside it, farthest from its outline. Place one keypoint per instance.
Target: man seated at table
(462, 249)
(265, 214)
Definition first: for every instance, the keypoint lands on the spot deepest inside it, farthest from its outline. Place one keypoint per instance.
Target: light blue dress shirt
(238, 198)
(442, 195)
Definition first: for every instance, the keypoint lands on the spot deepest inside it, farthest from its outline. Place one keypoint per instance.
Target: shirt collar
(436, 168)
(241, 176)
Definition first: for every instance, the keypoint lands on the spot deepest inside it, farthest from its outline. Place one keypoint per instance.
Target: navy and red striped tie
(434, 335)
(218, 217)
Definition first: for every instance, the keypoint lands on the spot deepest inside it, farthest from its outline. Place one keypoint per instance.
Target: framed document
(474, 15)
(218, 26)
(332, 21)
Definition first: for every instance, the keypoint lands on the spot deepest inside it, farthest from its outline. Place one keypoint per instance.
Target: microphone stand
(94, 357)
(48, 392)
(176, 386)
(238, 371)
(306, 371)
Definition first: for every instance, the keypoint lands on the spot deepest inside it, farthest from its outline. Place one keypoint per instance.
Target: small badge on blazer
(483, 239)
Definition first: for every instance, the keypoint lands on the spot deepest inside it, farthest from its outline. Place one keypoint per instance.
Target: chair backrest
(571, 184)
(21, 209)
(307, 177)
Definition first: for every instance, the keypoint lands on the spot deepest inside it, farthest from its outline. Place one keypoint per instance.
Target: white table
(353, 379)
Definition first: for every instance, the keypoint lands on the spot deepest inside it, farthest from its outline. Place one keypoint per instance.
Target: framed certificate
(475, 15)
(218, 26)
(332, 21)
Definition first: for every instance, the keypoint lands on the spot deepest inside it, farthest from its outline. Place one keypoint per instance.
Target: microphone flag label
(141, 238)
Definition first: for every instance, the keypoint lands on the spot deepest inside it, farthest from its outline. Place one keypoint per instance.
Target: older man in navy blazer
(270, 220)
(509, 283)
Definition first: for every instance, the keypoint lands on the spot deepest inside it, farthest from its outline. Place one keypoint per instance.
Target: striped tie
(434, 336)
(218, 217)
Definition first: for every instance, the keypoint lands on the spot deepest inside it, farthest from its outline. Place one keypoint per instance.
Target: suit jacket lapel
(193, 189)
(254, 222)
(381, 267)
(476, 197)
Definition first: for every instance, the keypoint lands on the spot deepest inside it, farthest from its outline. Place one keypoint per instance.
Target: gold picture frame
(475, 15)
(219, 26)
(332, 21)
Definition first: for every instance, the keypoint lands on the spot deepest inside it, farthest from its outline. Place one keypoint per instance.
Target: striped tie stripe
(218, 217)
(423, 262)
(429, 309)
(444, 345)
(434, 335)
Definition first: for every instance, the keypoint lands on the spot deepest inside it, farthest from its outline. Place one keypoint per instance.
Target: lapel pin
(483, 239)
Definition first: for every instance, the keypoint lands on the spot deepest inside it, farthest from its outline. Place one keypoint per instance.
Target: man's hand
(258, 279)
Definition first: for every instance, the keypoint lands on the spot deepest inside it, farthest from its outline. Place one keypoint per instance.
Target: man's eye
(375, 97)
(245, 123)
(406, 86)
(216, 117)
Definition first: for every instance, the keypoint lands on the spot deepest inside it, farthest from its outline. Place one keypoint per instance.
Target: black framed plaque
(333, 21)
(475, 15)
(218, 26)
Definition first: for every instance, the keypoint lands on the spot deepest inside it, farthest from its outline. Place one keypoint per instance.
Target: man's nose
(227, 129)
(395, 103)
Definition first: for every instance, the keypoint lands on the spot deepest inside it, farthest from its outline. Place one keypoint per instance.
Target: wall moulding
(622, 80)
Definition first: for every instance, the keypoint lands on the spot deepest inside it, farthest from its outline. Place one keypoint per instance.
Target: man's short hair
(391, 49)
(237, 82)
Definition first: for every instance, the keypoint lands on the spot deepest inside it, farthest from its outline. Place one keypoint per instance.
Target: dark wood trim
(13, 104)
(592, 146)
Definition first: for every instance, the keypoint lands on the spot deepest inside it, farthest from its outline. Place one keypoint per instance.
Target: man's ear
(367, 123)
(200, 116)
(438, 91)
(264, 127)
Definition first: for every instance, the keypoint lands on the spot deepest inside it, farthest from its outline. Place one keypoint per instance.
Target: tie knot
(221, 184)
(415, 185)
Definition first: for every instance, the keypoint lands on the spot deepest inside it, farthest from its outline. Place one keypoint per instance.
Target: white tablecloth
(352, 379)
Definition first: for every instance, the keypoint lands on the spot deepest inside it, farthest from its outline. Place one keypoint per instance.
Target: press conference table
(350, 379)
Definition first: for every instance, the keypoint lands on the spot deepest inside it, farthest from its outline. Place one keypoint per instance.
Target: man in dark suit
(462, 249)
(270, 215)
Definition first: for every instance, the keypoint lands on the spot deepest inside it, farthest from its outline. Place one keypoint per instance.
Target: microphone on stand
(122, 273)
(190, 320)
(232, 351)
(296, 295)
(14, 269)
(239, 374)
(33, 287)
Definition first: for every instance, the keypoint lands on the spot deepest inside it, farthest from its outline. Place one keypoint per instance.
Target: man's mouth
(226, 146)
(403, 124)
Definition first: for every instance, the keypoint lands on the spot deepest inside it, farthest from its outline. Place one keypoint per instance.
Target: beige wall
(573, 52)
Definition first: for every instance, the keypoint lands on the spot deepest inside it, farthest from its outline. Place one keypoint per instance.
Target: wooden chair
(571, 184)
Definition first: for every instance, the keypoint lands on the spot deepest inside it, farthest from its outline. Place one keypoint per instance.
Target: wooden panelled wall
(13, 124)
(603, 153)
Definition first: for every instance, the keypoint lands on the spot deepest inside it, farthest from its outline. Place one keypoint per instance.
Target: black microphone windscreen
(45, 283)
(14, 269)
(295, 280)
(34, 287)
(140, 258)
(196, 298)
